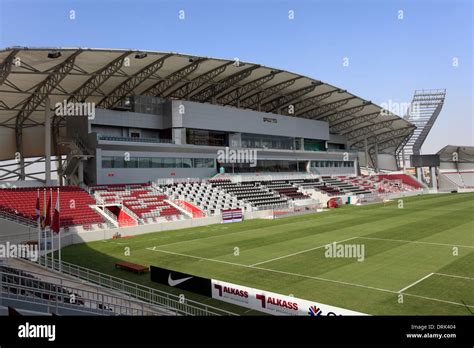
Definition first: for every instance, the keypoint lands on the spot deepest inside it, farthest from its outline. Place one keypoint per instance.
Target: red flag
(56, 220)
(12, 312)
(38, 208)
(47, 220)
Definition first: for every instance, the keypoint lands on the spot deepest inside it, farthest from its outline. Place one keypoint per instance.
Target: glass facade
(332, 164)
(266, 166)
(156, 162)
(206, 137)
(259, 141)
(314, 145)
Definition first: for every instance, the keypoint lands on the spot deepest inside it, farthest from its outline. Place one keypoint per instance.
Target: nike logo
(175, 282)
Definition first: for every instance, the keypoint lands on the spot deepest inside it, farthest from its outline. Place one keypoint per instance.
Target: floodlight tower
(423, 112)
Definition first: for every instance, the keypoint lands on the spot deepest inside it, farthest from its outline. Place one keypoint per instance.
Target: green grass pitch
(422, 248)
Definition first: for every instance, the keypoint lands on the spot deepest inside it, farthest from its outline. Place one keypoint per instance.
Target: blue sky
(388, 57)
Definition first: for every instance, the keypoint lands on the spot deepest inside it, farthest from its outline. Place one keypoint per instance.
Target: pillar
(47, 142)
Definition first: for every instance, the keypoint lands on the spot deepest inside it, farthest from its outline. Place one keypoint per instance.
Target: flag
(38, 209)
(47, 219)
(43, 216)
(12, 312)
(56, 220)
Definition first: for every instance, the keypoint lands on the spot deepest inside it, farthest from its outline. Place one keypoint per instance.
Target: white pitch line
(310, 277)
(418, 242)
(438, 300)
(414, 283)
(196, 257)
(453, 276)
(271, 270)
(300, 252)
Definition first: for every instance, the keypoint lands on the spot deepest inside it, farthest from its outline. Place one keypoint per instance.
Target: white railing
(174, 304)
(55, 292)
(132, 215)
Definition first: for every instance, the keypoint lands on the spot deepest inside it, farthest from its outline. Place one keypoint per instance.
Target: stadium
(166, 184)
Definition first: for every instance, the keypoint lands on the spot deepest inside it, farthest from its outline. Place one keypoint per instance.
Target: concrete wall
(127, 119)
(135, 175)
(229, 119)
(387, 162)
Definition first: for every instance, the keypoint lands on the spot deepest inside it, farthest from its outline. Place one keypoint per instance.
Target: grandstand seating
(74, 204)
(143, 200)
(285, 188)
(21, 283)
(205, 196)
(253, 193)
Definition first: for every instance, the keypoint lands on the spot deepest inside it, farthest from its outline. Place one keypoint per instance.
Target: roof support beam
(346, 124)
(321, 110)
(172, 79)
(280, 102)
(259, 96)
(187, 90)
(127, 87)
(342, 114)
(36, 99)
(6, 66)
(232, 97)
(309, 102)
(97, 79)
(355, 135)
(392, 133)
(212, 92)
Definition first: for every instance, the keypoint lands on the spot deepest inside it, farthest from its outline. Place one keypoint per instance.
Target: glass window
(119, 162)
(178, 163)
(144, 162)
(203, 163)
(131, 163)
(107, 162)
(156, 162)
(187, 162)
(169, 163)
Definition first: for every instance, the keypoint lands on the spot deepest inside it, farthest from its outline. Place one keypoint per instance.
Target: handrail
(153, 296)
(59, 294)
(134, 140)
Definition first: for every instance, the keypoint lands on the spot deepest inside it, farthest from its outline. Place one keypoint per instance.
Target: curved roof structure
(106, 76)
(463, 153)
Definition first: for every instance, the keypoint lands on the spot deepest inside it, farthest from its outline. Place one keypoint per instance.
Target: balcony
(134, 140)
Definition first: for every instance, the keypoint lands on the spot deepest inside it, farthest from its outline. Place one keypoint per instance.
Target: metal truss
(285, 100)
(6, 66)
(341, 125)
(321, 110)
(232, 97)
(126, 87)
(424, 109)
(259, 96)
(215, 90)
(309, 102)
(187, 90)
(356, 134)
(44, 88)
(387, 135)
(9, 171)
(37, 98)
(168, 82)
(342, 113)
(97, 79)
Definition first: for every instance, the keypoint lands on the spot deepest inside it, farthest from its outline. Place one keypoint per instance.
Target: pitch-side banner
(272, 303)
